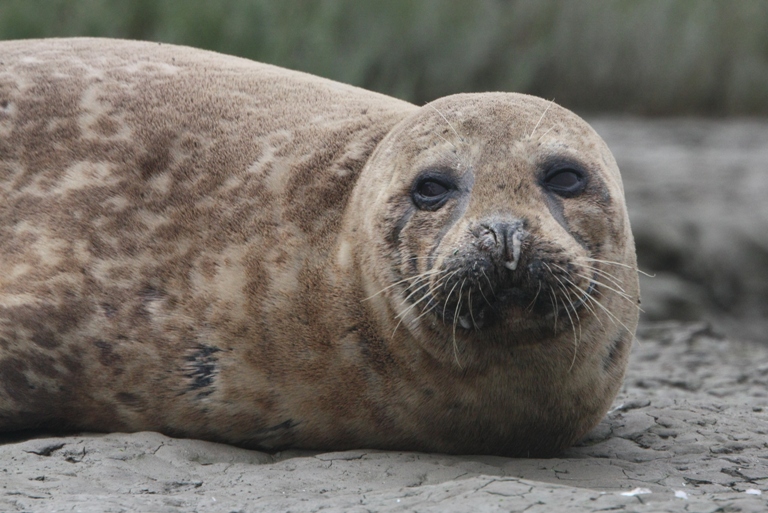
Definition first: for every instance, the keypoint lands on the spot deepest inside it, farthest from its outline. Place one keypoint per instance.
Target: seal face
(507, 233)
(215, 248)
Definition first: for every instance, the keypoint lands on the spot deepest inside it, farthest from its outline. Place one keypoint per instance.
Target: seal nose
(504, 240)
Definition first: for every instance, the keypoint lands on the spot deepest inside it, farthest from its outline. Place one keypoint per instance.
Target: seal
(214, 248)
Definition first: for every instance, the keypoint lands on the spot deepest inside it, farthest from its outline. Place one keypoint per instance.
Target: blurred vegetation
(639, 56)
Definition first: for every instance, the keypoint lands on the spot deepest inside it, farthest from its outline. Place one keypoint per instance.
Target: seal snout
(503, 270)
(503, 240)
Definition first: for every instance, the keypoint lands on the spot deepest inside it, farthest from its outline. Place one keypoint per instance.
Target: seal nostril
(508, 240)
(489, 233)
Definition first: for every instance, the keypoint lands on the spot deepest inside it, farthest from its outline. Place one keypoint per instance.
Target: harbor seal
(214, 248)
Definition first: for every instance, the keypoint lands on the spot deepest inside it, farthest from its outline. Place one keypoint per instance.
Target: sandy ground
(689, 431)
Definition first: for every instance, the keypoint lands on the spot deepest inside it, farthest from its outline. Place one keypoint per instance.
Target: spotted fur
(210, 247)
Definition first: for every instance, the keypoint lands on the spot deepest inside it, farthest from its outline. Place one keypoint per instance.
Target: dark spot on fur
(394, 236)
(288, 424)
(14, 381)
(45, 338)
(317, 185)
(128, 399)
(375, 351)
(107, 355)
(109, 310)
(617, 349)
(272, 438)
(47, 322)
(4, 104)
(43, 364)
(157, 158)
(201, 369)
(73, 365)
(107, 127)
(150, 294)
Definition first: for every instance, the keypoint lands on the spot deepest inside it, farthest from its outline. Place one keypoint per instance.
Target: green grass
(640, 56)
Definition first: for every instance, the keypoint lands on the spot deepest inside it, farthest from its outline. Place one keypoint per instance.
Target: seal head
(495, 233)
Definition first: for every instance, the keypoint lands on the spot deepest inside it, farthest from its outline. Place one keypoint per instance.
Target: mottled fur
(201, 245)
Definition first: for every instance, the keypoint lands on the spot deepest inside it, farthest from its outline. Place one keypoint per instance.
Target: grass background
(653, 57)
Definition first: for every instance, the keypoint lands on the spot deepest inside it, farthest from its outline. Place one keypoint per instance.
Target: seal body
(214, 248)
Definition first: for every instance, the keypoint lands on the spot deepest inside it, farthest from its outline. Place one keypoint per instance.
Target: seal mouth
(470, 320)
(482, 293)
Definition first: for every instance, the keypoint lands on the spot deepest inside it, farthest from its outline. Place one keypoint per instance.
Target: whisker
(622, 295)
(485, 298)
(425, 312)
(489, 283)
(435, 286)
(587, 297)
(446, 140)
(448, 122)
(551, 102)
(608, 276)
(577, 340)
(409, 296)
(426, 296)
(471, 315)
(573, 325)
(448, 298)
(621, 264)
(455, 320)
(405, 312)
(554, 308)
(441, 281)
(554, 305)
(568, 297)
(530, 306)
(610, 314)
(410, 278)
(591, 279)
(545, 133)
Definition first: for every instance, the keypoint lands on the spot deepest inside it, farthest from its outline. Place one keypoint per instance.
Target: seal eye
(565, 181)
(430, 192)
(431, 189)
